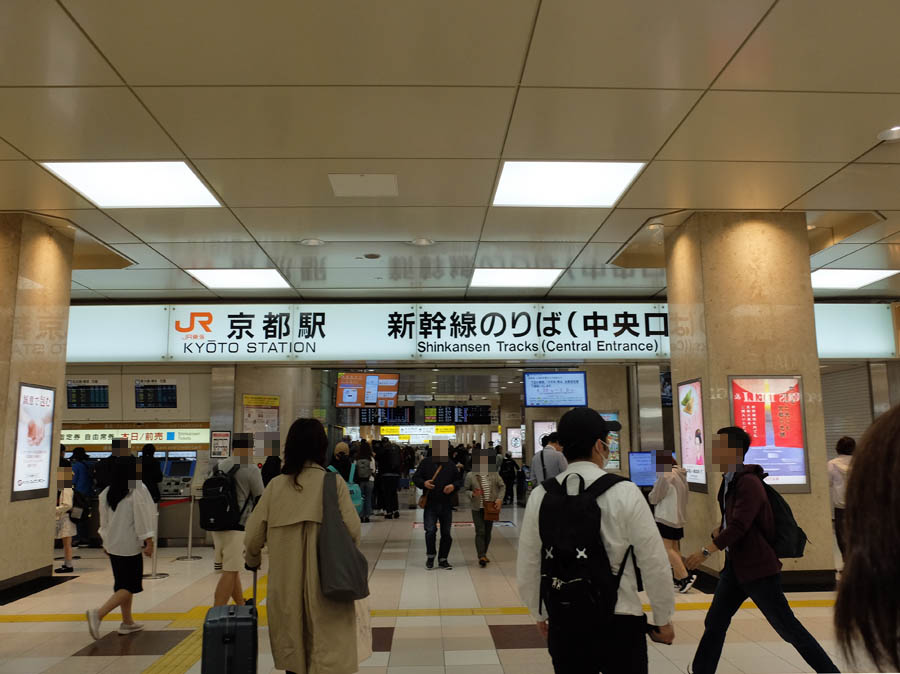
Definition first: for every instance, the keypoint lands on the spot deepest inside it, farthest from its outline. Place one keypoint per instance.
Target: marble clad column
(741, 303)
(35, 280)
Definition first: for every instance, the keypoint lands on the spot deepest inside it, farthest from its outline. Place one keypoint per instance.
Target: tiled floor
(425, 622)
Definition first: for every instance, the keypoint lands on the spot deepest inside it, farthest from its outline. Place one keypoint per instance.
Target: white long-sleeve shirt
(124, 529)
(625, 520)
(838, 471)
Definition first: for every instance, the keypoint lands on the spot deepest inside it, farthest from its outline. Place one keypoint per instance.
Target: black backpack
(577, 584)
(393, 460)
(790, 539)
(219, 503)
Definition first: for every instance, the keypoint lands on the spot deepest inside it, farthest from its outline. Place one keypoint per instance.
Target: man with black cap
(549, 461)
(627, 529)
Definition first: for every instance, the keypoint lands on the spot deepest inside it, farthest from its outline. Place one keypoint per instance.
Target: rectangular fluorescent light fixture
(364, 184)
(514, 278)
(134, 184)
(238, 279)
(564, 184)
(849, 279)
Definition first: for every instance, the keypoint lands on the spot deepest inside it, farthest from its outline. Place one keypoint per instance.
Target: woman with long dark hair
(127, 526)
(867, 608)
(302, 621)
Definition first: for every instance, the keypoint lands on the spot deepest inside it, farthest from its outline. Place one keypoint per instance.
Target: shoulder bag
(423, 500)
(491, 509)
(343, 570)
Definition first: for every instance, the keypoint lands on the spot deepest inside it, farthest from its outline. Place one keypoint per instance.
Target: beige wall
(740, 302)
(298, 387)
(35, 278)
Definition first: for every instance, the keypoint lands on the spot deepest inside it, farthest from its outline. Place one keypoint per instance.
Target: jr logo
(204, 318)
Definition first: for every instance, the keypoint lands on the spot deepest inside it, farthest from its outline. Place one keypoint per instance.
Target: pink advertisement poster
(693, 441)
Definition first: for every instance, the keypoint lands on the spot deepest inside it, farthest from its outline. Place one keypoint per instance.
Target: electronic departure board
(155, 393)
(389, 416)
(472, 414)
(87, 394)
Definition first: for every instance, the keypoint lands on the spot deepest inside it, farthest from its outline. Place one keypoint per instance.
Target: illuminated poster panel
(693, 434)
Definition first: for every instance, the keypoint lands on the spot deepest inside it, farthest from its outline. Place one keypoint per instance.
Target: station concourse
(426, 225)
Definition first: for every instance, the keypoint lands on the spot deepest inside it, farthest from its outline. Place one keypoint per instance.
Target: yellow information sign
(390, 430)
(261, 401)
(404, 438)
(445, 430)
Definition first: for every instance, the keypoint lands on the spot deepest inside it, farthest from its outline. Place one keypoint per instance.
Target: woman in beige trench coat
(309, 633)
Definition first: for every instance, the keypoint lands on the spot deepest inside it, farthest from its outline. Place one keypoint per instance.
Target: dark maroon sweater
(750, 526)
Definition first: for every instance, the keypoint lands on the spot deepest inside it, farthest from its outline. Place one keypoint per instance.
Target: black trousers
(620, 648)
(389, 493)
(767, 594)
(438, 513)
(510, 485)
(839, 528)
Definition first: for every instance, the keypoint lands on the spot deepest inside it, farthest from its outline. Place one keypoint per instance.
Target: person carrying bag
(423, 499)
(486, 489)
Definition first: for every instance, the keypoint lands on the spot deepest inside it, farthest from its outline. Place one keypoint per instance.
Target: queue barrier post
(154, 575)
(190, 556)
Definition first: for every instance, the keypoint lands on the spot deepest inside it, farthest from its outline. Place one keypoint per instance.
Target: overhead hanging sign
(409, 332)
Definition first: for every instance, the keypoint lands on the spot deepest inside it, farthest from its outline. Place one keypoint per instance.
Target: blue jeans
(368, 487)
(434, 513)
(767, 594)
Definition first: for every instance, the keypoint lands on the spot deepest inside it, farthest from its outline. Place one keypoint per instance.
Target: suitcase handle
(254, 589)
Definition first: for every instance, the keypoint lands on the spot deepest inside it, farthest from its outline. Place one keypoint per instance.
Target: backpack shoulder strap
(543, 463)
(352, 471)
(332, 469)
(603, 483)
(233, 470)
(552, 486)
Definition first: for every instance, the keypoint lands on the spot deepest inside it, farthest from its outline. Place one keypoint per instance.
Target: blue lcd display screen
(555, 389)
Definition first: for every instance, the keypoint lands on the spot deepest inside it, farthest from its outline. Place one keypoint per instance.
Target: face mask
(605, 458)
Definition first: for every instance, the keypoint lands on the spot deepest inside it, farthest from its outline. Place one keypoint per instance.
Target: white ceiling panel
(607, 124)
(40, 46)
(596, 256)
(135, 279)
(857, 187)
(304, 182)
(612, 277)
(181, 224)
(144, 256)
(333, 42)
(96, 223)
(163, 295)
(876, 256)
(832, 253)
(363, 223)
(723, 185)
(215, 255)
(519, 255)
(396, 276)
(542, 224)
(821, 45)
(234, 122)
(352, 254)
(26, 186)
(626, 222)
(782, 126)
(259, 295)
(380, 293)
(81, 123)
(502, 293)
(642, 44)
(605, 293)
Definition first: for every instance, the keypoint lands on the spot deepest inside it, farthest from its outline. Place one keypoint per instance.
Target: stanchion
(154, 575)
(190, 557)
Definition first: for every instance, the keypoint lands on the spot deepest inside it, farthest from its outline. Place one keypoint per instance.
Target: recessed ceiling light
(849, 279)
(372, 256)
(312, 242)
(364, 184)
(235, 279)
(890, 135)
(434, 369)
(135, 184)
(514, 278)
(565, 184)
(422, 241)
(810, 228)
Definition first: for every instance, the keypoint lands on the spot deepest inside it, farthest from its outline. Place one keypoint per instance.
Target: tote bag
(343, 570)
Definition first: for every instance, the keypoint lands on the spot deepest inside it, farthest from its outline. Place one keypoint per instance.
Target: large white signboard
(140, 436)
(34, 442)
(410, 332)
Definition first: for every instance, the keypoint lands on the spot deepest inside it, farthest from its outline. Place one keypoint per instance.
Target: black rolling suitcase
(230, 639)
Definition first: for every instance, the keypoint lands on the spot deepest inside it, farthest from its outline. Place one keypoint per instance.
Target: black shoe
(444, 564)
(64, 569)
(482, 562)
(429, 563)
(686, 583)
(397, 515)
(365, 520)
(248, 602)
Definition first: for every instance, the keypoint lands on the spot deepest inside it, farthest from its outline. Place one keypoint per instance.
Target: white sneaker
(93, 621)
(130, 629)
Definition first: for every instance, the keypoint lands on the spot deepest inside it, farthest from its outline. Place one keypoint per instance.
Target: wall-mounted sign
(34, 442)
(409, 332)
(139, 436)
(693, 435)
(615, 453)
(220, 445)
(770, 409)
(514, 442)
(261, 413)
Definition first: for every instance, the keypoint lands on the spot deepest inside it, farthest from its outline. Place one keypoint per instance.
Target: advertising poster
(693, 440)
(541, 430)
(514, 442)
(363, 389)
(770, 409)
(220, 445)
(34, 442)
(615, 453)
(261, 413)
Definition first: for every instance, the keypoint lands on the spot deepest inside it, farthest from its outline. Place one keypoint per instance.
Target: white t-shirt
(124, 529)
(838, 472)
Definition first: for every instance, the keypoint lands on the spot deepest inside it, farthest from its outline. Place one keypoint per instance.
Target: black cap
(553, 437)
(584, 425)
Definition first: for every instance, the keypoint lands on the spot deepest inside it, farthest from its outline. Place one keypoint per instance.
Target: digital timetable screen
(391, 416)
(155, 395)
(87, 394)
(555, 389)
